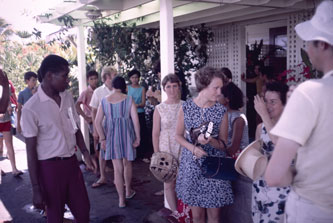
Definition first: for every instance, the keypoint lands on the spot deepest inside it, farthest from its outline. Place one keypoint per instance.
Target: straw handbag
(164, 166)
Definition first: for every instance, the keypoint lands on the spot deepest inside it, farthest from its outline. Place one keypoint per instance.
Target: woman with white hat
(268, 202)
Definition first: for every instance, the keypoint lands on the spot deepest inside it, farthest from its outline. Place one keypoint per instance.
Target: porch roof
(147, 12)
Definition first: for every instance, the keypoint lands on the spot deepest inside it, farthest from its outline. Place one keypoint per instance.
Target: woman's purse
(164, 166)
(212, 167)
(221, 168)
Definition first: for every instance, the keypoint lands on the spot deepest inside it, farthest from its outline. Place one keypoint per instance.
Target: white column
(166, 40)
(242, 58)
(81, 60)
(167, 47)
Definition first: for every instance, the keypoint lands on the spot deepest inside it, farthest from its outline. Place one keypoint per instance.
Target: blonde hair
(108, 71)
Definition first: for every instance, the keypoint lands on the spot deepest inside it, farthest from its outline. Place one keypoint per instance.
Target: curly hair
(234, 94)
(280, 88)
(51, 63)
(227, 73)
(204, 76)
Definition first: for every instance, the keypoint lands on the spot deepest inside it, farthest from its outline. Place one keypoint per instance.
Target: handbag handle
(202, 170)
(217, 170)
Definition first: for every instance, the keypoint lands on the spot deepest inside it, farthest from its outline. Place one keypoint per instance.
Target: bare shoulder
(116, 98)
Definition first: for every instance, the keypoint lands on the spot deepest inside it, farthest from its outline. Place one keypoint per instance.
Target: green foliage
(17, 58)
(5, 30)
(253, 55)
(23, 34)
(74, 86)
(132, 47)
(37, 33)
(61, 38)
(306, 60)
(67, 20)
(191, 48)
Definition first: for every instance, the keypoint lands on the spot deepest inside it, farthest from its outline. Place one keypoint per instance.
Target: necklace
(202, 111)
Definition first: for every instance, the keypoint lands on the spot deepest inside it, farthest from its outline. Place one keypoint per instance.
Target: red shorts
(5, 127)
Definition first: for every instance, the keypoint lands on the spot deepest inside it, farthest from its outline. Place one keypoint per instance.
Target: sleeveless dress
(136, 94)
(169, 114)
(232, 116)
(268, 202)
(145, 148)
(191, 187)
(119, 130)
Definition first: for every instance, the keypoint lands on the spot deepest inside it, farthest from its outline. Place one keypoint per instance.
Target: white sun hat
(320, 26)
(251, 162)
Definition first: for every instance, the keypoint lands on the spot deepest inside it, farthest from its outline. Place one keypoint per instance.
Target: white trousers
(301, 210)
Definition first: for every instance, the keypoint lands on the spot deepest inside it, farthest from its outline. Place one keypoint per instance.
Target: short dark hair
(92, 73)
(118, 82)
(172, 78)
(29, 75)
(226, 72)
(51, 63)
(133, 72)
(280, 88)
(205, 75)
(234, 95)
(259, 64)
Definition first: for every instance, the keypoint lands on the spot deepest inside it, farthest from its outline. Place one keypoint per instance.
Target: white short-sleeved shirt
(54, 126)
(98, 95)
(308, 120)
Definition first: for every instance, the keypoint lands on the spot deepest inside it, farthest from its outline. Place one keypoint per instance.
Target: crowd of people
(294, 136)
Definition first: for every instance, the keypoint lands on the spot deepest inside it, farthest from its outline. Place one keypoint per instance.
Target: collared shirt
(98, 95)
(54, 126)
(308, 120)
(24, 96)
(85, 98)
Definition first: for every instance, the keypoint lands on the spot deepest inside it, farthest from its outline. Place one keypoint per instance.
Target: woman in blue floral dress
(192, 187)
(268, 202)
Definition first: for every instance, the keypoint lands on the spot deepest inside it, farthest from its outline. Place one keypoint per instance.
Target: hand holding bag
(220, 168)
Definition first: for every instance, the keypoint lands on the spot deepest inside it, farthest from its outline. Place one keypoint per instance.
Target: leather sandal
(98, 184)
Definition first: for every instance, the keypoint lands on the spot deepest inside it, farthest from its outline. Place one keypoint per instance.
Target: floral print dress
(268, 202)
(191, 186)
